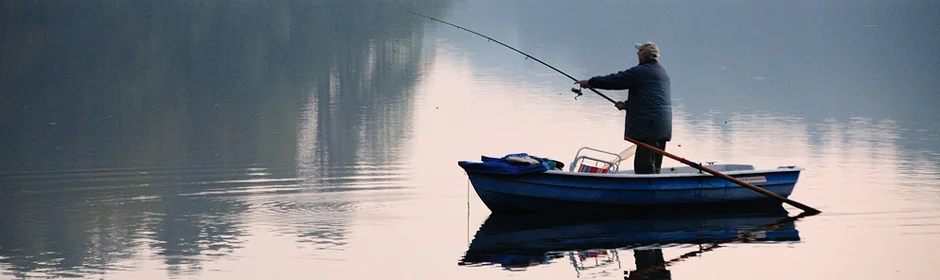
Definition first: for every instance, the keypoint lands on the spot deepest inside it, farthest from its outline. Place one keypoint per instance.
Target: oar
(802, 206)
(625, 154)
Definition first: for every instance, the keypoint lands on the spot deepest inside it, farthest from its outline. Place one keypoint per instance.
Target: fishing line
(518, 51)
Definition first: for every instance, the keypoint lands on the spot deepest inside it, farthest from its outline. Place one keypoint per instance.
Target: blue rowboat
(515, 240)
(539, 185)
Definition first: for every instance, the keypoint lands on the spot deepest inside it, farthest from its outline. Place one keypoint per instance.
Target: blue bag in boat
(519, 163)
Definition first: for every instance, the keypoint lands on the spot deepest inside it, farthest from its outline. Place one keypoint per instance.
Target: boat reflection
(588, 241)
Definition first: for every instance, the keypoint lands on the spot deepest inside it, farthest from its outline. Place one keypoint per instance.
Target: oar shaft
(726, 177)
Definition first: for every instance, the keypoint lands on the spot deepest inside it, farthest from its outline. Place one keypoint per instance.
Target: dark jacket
(649, 104)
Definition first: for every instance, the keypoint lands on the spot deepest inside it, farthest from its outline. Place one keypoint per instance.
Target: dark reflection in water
(63, 224)
(193, 83)
(593, 244)
(143, 124)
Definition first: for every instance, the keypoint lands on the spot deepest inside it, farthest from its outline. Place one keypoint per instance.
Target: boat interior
(591, 160)
(688, 169)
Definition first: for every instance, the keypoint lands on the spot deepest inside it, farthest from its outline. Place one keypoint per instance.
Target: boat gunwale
(651, 176)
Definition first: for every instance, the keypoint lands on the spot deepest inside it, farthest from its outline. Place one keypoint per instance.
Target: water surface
(299, 139)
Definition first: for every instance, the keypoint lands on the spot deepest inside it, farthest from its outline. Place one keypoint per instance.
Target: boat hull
(555, 191)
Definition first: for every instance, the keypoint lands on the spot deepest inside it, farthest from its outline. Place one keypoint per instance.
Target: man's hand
(582, 83)
(620, 105)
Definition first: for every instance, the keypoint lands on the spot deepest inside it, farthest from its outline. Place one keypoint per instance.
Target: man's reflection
(649, 265)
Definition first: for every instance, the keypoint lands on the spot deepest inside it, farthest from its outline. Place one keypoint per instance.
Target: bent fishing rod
(578, 91)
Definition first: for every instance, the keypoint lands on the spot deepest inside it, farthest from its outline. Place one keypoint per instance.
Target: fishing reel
(576, 91)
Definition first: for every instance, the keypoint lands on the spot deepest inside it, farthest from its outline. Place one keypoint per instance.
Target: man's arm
(621, 80)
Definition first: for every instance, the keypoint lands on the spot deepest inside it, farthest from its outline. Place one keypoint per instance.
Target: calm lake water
(319, 139)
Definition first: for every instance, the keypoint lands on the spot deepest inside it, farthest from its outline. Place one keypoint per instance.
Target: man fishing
(648, 105)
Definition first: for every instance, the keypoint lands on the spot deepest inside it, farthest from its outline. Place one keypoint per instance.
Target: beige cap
(648, 48)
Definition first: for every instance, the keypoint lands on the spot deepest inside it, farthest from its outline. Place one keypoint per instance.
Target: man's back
(649, 106)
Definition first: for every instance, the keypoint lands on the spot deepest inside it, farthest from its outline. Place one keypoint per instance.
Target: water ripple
(286, 207)
(261, 189)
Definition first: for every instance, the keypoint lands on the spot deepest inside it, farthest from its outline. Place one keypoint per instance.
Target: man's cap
(648, 48)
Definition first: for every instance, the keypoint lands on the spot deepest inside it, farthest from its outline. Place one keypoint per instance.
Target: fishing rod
(575, 90)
